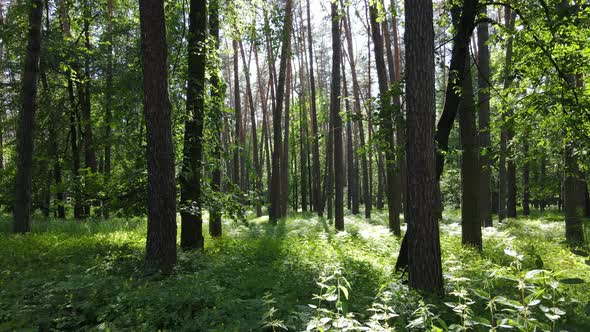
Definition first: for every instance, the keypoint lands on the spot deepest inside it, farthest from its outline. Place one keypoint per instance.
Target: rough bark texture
(485, 200)
(337, 120)
(161, 191)
(26, 123)
(275, 187)
(237, 161)
(470, 171)
(574, 200)
(351, 160)
(425, 271)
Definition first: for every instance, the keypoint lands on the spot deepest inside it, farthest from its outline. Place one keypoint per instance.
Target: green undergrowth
(297, 275)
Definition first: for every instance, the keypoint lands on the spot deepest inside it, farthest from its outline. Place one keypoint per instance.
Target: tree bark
(108, 118)
(161, 191)
(386, 120)
(484, 123)
(26, 123)
(359, 117)
(215, 228)
(237, 161)
(425, 271)
(337, 120)
(275, 188)
(470, 170)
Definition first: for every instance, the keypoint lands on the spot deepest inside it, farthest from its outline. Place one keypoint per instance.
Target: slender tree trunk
(470, 176)
(353, 175)
(526, 179)
(217, 95)
(386, 119)
(161, 191)
(507, 175)
(26, 123)
(484, 123)
(336, 119)
(275, 189)
(285, 153)
(425, 271)
(108, 118)
(359, 118)
(257, 167)
(237, 161)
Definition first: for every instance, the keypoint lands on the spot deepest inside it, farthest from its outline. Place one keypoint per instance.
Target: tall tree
(161, 189)
(336, 119)
(237, 161)
(256, 160)
(26, 123)
(191, 234)
(483, 80)
(470, 177)
(108, 117)
(425, 271)
(217, 114)
(315, 150)
(386, 120)
(275, 187)
(358, 115)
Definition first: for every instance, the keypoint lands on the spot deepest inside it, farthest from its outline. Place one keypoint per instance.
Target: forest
(294, 165)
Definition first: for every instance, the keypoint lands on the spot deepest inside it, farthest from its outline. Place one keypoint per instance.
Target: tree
(337, 120)
(26, 123)
(483, 79)
(386, 121)
(216, 96)
(425, 271)
(108, 118)
(275, 187)
(470, 176)
(315, 150)
(161, 191)
(191, 235)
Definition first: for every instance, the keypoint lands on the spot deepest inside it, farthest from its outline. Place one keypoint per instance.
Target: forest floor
(71, 275)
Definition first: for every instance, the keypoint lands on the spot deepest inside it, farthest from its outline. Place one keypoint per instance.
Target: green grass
(71, 275)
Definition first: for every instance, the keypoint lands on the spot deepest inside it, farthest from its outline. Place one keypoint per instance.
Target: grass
(71, 275)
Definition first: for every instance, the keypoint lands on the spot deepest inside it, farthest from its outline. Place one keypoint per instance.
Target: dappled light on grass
(70, 275)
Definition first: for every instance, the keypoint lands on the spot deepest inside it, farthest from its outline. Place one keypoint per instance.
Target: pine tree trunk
(526, 179)
(161, 191)
(26, 123)
(316, 180)
(285, 152)
(275, 187)
(470, 171)
(425, 271)
(108, 118)
(337, 120)
(237, 161)
(485, 200)
(215, 228)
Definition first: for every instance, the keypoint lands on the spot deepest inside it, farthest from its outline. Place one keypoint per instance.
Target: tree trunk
(359, 117)
(386, 120)
(161, 191)
(353, 174)
(237, 161)
(108, 118)
(425, 271)
(470, 171)
(316, 181)
(26, 123)
(574, 200)
(525, 178)
(285, 152)
(257, 166)
(275, 188)
(337, 120)
(217, 96)
(484, 124)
